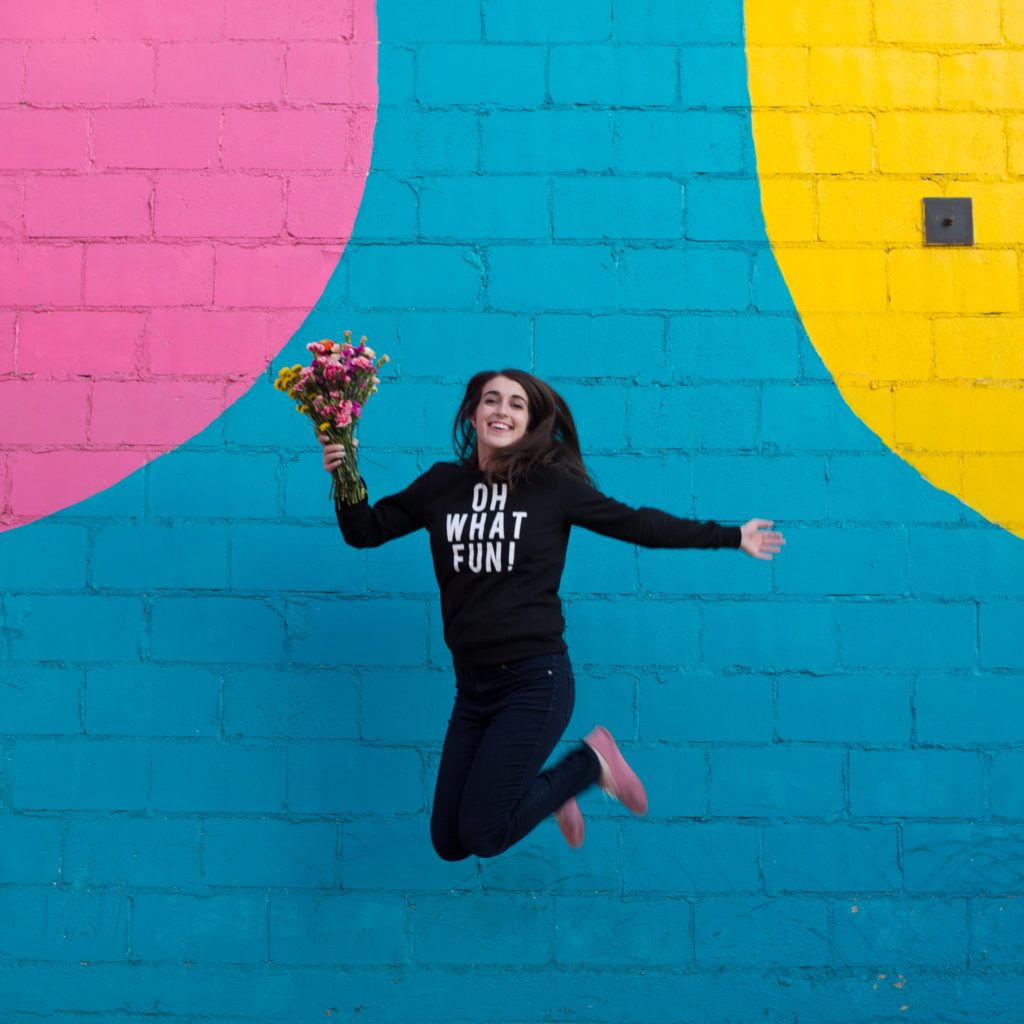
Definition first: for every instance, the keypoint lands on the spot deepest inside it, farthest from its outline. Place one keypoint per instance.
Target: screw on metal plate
(948, 222)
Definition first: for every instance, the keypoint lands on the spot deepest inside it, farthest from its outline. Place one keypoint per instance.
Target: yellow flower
(324, 427)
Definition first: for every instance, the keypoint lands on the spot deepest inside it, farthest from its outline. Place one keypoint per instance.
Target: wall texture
(219, 727)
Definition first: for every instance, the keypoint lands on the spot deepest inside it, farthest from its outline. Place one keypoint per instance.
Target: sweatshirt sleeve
(648, 527)
(366, 526)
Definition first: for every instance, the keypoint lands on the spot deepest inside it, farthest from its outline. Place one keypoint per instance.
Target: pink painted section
(177, 184)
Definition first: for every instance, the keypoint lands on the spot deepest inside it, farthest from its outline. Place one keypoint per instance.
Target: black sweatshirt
(499, 553)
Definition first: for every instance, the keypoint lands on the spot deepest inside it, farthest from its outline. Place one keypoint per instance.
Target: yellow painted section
(861, 109)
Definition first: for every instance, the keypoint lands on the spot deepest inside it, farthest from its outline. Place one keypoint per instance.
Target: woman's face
(501, 417)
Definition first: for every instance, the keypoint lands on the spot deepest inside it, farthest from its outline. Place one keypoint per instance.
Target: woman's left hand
(759, 540)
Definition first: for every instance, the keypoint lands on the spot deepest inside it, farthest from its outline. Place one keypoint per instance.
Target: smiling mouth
(502, 427)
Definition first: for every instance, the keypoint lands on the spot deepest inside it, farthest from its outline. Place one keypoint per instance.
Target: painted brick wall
(220, 726)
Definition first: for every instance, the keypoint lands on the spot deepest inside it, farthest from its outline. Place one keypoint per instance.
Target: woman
(499, 522)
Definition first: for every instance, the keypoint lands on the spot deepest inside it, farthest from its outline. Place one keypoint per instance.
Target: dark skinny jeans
(506, 721)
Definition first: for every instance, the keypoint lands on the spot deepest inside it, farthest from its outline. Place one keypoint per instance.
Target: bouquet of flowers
(332, 391)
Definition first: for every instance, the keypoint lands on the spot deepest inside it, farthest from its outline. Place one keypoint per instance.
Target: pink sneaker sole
(570, 821)
(624, 784)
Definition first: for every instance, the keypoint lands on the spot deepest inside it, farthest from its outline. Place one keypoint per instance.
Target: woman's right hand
(334, 454)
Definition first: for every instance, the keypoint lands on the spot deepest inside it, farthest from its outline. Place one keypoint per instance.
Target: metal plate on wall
(948, 222)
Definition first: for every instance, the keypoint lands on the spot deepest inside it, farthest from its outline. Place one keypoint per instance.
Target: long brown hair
(550, 439)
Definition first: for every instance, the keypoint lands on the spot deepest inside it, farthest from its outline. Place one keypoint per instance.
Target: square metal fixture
(948, 222)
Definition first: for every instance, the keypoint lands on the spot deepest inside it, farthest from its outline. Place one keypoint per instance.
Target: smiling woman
(499, 521)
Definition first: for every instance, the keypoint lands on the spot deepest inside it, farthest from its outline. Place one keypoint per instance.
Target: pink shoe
(570, 821)
(621, 781)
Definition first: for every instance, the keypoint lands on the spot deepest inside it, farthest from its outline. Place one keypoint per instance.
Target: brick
(476, 74)
(169, 407)
(560, 140)
(30, 849)
(961, 342)
(1007, 788)
(274, 556)
(285, 139)
(578, 345)
(342, 928)
(496, 206)
(390, 779)
(309, 643)
(236, 205)
(978, 282)
(63, 924)
(459, 20)
(54, 553)
(143, 700)
(54, 412)
(297, 855)
(235, 73)
(276, 703)
(733, 347)
(185, 19)
(599, 411)
(73, 331)
(982, 563)
(853, 561)
(94, 206)
(618, 75)
(601, 207)
(223, 927)
(676, 780)
(265, 19)
(606, 697)
(946, 23)
(799, 198)
(779, 75)
(74, 627)
(999, 627)
(403, 704)
(763, 634)
(963, 143)
(192, 557)
(844, 709)
(633, 632)
(130, 852)
(873, 77)
(206, 629)
(884, 488)
(507, 21)
(996, 928)
(684, 279)
(699, 21)
(713, 77)
(554, 278)
(422, 276)
(40, 701)
(11, 221)
(397, 855)
(700, 708)
(331, 71)
(705, 416)
(105, 469)
(400, 567)
(688, 142)
(325, 206)
(916, 783)
(137, 274)
(152, 137)
(89, 73)
(43, 139)
(75, 18)
(962, 858)
(785, 407)
(907, 635)
(451, 930)
(662, 481)
(432, 141)
(217, 778)
(598, 566)
(762, 932)
(78, 774)
(208, 486)
(830, 858)
(776, 781)
(40, 275)
(724, 210)
(815, 142)
(272, 276)
(542, 862)
(971, 710)
(624, 931)
(918, 932)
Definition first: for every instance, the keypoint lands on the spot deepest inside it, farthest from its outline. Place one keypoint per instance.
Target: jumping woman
(499, 521)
